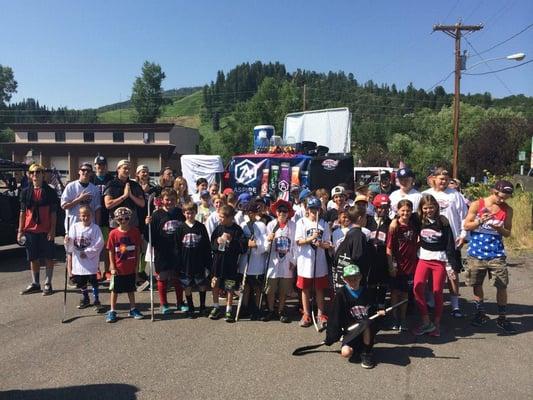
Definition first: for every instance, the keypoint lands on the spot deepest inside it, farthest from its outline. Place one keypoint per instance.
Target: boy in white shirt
(314, 239)
(84, 243)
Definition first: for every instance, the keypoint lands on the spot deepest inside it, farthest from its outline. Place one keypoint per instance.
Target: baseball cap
(100, 160)
(122, 212)
(351, 270)
(405, 173)
(304, 194)
(254, 206)
(86, 165)
(123, 162)
(140, 168)
(381, 200)
(244, 198)
(313, 202)
(385, 175)
(504, 186)
(227, 191)
(204, 193)
(338, 191)
(374, 188)
(361, 197)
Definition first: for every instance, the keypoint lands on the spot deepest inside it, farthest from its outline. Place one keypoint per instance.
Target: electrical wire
(506, 40)
(499, 70)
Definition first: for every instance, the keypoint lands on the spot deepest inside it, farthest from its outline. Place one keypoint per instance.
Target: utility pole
(455, 31)
(304, 96)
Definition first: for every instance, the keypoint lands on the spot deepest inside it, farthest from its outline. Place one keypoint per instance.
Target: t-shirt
(402, 242)
(305, 260)
(204, 213)
(414, 196)
(164, 229)
(282, 249)
(44, 211)
(71, 192)
(485, 242)
(258, 254)
(101, 182)
(194, 250)
(125, 247)
(452, 206)
(225, 262)
(86, 240)
(115, 189)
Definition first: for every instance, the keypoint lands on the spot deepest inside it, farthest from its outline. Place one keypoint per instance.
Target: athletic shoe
(203, 312)
(143, 286)
(423, 329)
(111, 316)
(215, 313)
(183, 308)
(228, 317)
(71, 284)
(435, 333)
(270, 315)
(284, 318)
(395, 326)
(98, 307)
(322, 322)
(33, 288)
(84, 303)
(255, 315)
(47, 291)
(190, 313)
(136, 314)
(306, 321)
(456, 313)
(165, 309)
(506, 325)
(403, 327)
(366, 360)
(480, 319)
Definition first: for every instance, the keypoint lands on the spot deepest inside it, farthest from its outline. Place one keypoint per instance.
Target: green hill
(183, 111)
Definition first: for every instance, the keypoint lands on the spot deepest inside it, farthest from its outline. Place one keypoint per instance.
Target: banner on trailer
(273, 174)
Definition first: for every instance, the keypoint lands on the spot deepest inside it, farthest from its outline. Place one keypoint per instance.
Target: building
(66, 146)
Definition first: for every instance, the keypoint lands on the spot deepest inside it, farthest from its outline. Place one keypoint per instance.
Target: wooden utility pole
(455, 31)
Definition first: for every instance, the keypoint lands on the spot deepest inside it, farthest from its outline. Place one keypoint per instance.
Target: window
(118, 137)
(89, 137)
(32, 136)
(148, 137)
(60, 136)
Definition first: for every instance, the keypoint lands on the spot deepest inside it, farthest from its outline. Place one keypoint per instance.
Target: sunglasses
(283, 210)
(37, 172)
(85, 170)
(123, 219)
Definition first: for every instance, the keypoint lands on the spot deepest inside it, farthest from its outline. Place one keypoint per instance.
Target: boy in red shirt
(124, 245)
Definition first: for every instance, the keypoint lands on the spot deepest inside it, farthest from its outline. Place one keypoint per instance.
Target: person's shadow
(114, 391)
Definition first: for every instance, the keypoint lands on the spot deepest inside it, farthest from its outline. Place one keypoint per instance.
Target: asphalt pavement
(173, 358)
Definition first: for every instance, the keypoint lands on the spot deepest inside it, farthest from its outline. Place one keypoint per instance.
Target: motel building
(65, 146)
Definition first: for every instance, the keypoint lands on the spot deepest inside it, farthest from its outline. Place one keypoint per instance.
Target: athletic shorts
(229, 285)
(402, 283)
(38, 246)
(122, 283)
(254, 281)
(190, 282)
(321, 282)
(166, 275)
(281, 285)
(477, 269)
(82, 280)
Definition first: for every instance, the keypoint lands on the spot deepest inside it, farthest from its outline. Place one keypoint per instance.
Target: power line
(506, 40)
(499, 70)
(442, 80)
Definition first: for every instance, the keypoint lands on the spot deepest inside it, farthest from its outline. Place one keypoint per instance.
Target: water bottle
(222, 246)
(22, 240)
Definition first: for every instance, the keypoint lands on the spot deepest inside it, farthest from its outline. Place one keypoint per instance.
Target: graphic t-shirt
(282, 249)
(86, 243)
(125, 247)
(194, 250)
(305, 228)
(402, 241)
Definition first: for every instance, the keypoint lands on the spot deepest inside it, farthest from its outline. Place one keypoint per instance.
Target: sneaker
(435, 333)
(33, 288)
(423, 329)
(395, 326)
(98, 307)
(71, 284)
(480, 319)
(215, 313)
(183, 308)
(366, 360)
(284, 318)
(165, 309)
(203, 312)
(306, 321)
(143, 286)
(136, 314)
(84, 303)
(190, 313)
(456, 313)
(47, 291)
(228, 317)
(403, 327)
(269, 316)
(111, 316)
(506, 325)
(255, 315)
(322, 322)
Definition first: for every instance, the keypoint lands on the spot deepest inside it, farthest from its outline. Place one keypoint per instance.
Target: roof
(92, 127)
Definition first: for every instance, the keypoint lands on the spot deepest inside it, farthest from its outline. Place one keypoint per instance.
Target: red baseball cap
(227, 191)
(381, 200)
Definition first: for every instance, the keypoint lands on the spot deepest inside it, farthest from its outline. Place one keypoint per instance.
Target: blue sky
(87, 53)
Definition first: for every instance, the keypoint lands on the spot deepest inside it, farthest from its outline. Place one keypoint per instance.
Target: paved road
(198, 359)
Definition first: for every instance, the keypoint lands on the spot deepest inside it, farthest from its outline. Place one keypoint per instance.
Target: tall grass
(522, 233)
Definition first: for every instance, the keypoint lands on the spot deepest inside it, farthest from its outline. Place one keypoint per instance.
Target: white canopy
(194, 166)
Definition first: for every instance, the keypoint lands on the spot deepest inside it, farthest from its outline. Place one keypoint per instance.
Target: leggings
(437, 269)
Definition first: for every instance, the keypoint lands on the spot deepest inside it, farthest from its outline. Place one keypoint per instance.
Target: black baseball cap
(405, 173)
(100, 160)
(504, 186)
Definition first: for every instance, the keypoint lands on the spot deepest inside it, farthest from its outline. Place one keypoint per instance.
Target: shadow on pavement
(113, 391)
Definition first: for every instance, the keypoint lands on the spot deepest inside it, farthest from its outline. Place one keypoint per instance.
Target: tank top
(485, 242)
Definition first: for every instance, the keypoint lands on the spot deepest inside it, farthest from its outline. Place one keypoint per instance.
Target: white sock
(455, 302)
(216, 305)
(228, 307)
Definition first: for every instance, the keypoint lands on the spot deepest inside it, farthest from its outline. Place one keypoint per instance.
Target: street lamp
(460, 64)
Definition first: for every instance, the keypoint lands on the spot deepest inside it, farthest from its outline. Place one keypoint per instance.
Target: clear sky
(87, 53)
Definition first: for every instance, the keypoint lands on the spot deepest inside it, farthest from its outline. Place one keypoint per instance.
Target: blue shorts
(187, 282)
(38, 246)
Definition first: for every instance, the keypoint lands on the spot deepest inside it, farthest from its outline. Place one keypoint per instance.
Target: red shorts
(321, 282)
